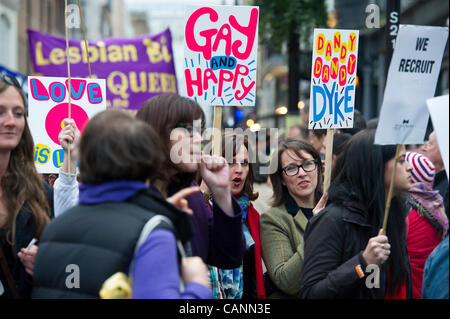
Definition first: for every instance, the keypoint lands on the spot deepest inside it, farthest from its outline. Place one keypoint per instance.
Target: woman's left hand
(27, 257)
(321, 204)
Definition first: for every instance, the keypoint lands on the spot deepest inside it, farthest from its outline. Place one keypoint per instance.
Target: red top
(421, 238)
(253, 223)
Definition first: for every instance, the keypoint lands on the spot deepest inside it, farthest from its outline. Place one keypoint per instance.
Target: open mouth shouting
(237, 182)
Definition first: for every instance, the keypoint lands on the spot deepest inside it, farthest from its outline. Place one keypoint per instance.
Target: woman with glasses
(297, 188)
(25, 200)
(217, 237)
(346, 253)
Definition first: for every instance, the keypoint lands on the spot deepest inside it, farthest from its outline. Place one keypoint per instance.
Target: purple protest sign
(135, 69)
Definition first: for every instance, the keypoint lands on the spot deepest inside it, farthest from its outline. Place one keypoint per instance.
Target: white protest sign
(221, 45)
(48, 107)
(412, 79)
(438, 108)
(333, 78)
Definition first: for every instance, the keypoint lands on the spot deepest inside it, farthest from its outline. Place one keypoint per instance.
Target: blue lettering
(348, 98)
(337, 111)
(58, 158)
(43, 155)
(318, 116)
(223, 62)
(330, 96)
(62, 92)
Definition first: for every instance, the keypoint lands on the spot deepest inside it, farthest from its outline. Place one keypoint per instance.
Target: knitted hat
(422, 169)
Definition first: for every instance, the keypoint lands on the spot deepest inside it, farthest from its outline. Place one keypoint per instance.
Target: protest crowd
(144, 207)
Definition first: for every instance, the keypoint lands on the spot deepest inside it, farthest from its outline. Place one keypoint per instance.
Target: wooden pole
(328, 159)
(68, 77)
(217, 135)
(391, 188)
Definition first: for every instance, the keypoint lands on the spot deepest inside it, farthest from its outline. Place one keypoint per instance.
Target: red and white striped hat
(422, 169)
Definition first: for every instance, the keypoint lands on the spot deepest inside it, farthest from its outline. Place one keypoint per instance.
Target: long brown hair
(280, 191)
(164, 113)
(21, 185)
(235, 142)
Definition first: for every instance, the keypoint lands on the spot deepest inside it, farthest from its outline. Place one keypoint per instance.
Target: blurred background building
(102, 18)
(372, 66)
(274, 103)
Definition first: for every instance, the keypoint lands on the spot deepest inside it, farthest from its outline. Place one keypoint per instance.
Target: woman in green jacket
(297, 188)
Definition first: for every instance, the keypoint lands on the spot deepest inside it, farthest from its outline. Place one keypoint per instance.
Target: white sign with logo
(412, 78)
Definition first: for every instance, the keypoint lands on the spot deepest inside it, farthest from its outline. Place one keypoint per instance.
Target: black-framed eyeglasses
(292, 169)
(10, 80)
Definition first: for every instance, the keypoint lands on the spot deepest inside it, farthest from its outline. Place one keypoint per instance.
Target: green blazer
(282, 249)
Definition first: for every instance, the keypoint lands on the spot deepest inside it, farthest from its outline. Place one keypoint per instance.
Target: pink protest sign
(221, 44)
(48, 107)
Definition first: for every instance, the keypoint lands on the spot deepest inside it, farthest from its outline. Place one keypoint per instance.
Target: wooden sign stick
(84, 39)
(328, 159)
(68, 77)
(391, 188)
(217, 134)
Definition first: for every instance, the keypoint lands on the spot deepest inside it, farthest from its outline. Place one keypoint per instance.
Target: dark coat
(100, 239)
(334, 242)
(218, 238)
(25, 232)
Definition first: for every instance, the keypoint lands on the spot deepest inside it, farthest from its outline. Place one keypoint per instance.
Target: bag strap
(152, 224)
(9, 278)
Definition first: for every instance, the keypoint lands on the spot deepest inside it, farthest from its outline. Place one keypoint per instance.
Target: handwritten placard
(221, 44)
(333, 78)
(48, 107)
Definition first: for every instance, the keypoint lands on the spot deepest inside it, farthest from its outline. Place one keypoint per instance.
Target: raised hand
(69, 135)
(215, 173)
(321, 204)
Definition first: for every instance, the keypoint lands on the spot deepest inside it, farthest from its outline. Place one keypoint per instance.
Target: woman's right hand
(193, 269)
(377, 250)
(69, 135)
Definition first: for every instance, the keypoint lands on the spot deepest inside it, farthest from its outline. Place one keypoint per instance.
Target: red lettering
(245, 92)
(207, 34)
(238, 72)
(208, 75)
(334, 68)
(342, 75)
(351, 64)
(326, 74)
(249, 31)
(317, 67)
(226, 37)
(223, 78)
(190, 82)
